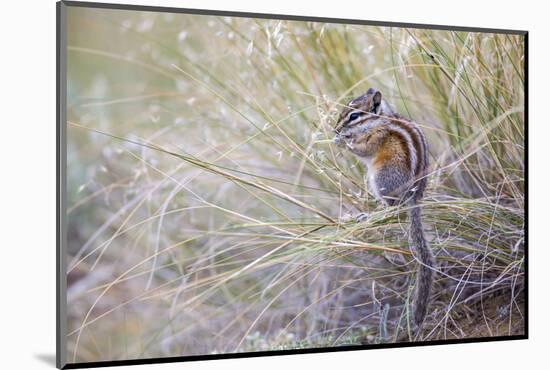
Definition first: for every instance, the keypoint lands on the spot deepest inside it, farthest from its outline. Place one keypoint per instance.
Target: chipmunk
(395, 153)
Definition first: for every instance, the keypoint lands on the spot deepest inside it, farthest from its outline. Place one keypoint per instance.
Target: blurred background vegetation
(209, 211)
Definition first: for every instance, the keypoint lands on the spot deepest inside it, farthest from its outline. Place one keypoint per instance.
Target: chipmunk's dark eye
(353, 116)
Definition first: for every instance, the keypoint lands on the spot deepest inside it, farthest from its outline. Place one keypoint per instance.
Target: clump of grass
(209, 211)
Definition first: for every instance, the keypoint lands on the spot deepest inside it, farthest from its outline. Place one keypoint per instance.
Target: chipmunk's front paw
(362, 216)
(350, 217)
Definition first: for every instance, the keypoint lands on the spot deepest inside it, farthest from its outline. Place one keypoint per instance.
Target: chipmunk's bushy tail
(425, 273)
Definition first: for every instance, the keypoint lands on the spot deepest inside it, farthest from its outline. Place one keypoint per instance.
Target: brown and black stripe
(412, 134)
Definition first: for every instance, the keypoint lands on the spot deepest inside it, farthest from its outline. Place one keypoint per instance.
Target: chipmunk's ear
(376, 101)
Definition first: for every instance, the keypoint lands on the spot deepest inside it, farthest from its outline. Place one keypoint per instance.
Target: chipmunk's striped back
(395, 152)
(418, 149)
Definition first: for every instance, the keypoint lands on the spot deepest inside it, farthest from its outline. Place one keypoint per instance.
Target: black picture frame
(61, 186)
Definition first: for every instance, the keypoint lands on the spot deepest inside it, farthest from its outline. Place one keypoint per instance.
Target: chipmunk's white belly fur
(371, 174)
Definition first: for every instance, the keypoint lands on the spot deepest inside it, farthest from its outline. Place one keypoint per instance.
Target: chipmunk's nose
(341, 137)
(344, 135)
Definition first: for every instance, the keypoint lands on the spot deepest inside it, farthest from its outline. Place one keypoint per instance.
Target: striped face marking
(360, 109)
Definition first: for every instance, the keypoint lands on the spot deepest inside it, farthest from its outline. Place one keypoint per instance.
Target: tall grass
(210, 213)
